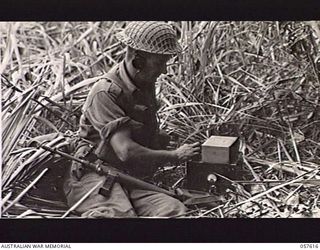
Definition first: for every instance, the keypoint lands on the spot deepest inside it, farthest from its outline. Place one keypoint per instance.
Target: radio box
(220, 150)
(214, 178)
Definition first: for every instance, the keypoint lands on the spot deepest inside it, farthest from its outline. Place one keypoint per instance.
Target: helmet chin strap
(131, 69)
(133, 73)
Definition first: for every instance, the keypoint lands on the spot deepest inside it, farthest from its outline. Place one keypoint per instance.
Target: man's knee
(175, 207)
(153, 204)
(108, 212)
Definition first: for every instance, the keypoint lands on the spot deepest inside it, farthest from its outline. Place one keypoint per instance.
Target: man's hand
(187, 151)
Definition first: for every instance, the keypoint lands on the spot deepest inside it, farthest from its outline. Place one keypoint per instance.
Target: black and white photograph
(160, 119)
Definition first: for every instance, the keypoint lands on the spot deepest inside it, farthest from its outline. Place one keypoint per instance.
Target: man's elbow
(122, 146)
(125, 154)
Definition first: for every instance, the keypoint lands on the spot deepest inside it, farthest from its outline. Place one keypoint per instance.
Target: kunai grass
(255, 80)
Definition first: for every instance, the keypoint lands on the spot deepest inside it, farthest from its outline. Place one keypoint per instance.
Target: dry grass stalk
(296, 179)
(24, 191)
(78, 203)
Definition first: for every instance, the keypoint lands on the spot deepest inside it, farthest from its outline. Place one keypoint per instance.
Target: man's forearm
(128, 151)
(134, 152)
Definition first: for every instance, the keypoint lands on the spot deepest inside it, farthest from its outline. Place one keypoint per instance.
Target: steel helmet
(152, 37)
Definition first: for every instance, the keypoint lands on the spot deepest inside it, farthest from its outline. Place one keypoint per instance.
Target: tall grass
(255, 80)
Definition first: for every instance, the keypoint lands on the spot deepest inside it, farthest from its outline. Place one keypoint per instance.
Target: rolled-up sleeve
(106, 116)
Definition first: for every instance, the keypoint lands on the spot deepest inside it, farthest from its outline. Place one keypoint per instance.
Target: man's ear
(138, 62)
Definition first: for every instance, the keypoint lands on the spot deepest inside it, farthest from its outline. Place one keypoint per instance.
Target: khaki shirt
(116, 102)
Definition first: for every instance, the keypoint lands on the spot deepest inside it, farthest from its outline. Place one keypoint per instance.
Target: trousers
(121, 203)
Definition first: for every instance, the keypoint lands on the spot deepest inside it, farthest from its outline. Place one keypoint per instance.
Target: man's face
(154, 65)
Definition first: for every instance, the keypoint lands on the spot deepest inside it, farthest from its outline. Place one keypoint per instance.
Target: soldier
(119, 116)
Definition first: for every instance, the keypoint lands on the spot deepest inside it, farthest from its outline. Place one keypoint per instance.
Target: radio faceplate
(214, 178)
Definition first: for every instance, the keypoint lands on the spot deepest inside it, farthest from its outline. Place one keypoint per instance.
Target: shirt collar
(124, 75)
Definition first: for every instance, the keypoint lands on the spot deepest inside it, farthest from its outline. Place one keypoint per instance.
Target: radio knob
(212, 178)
